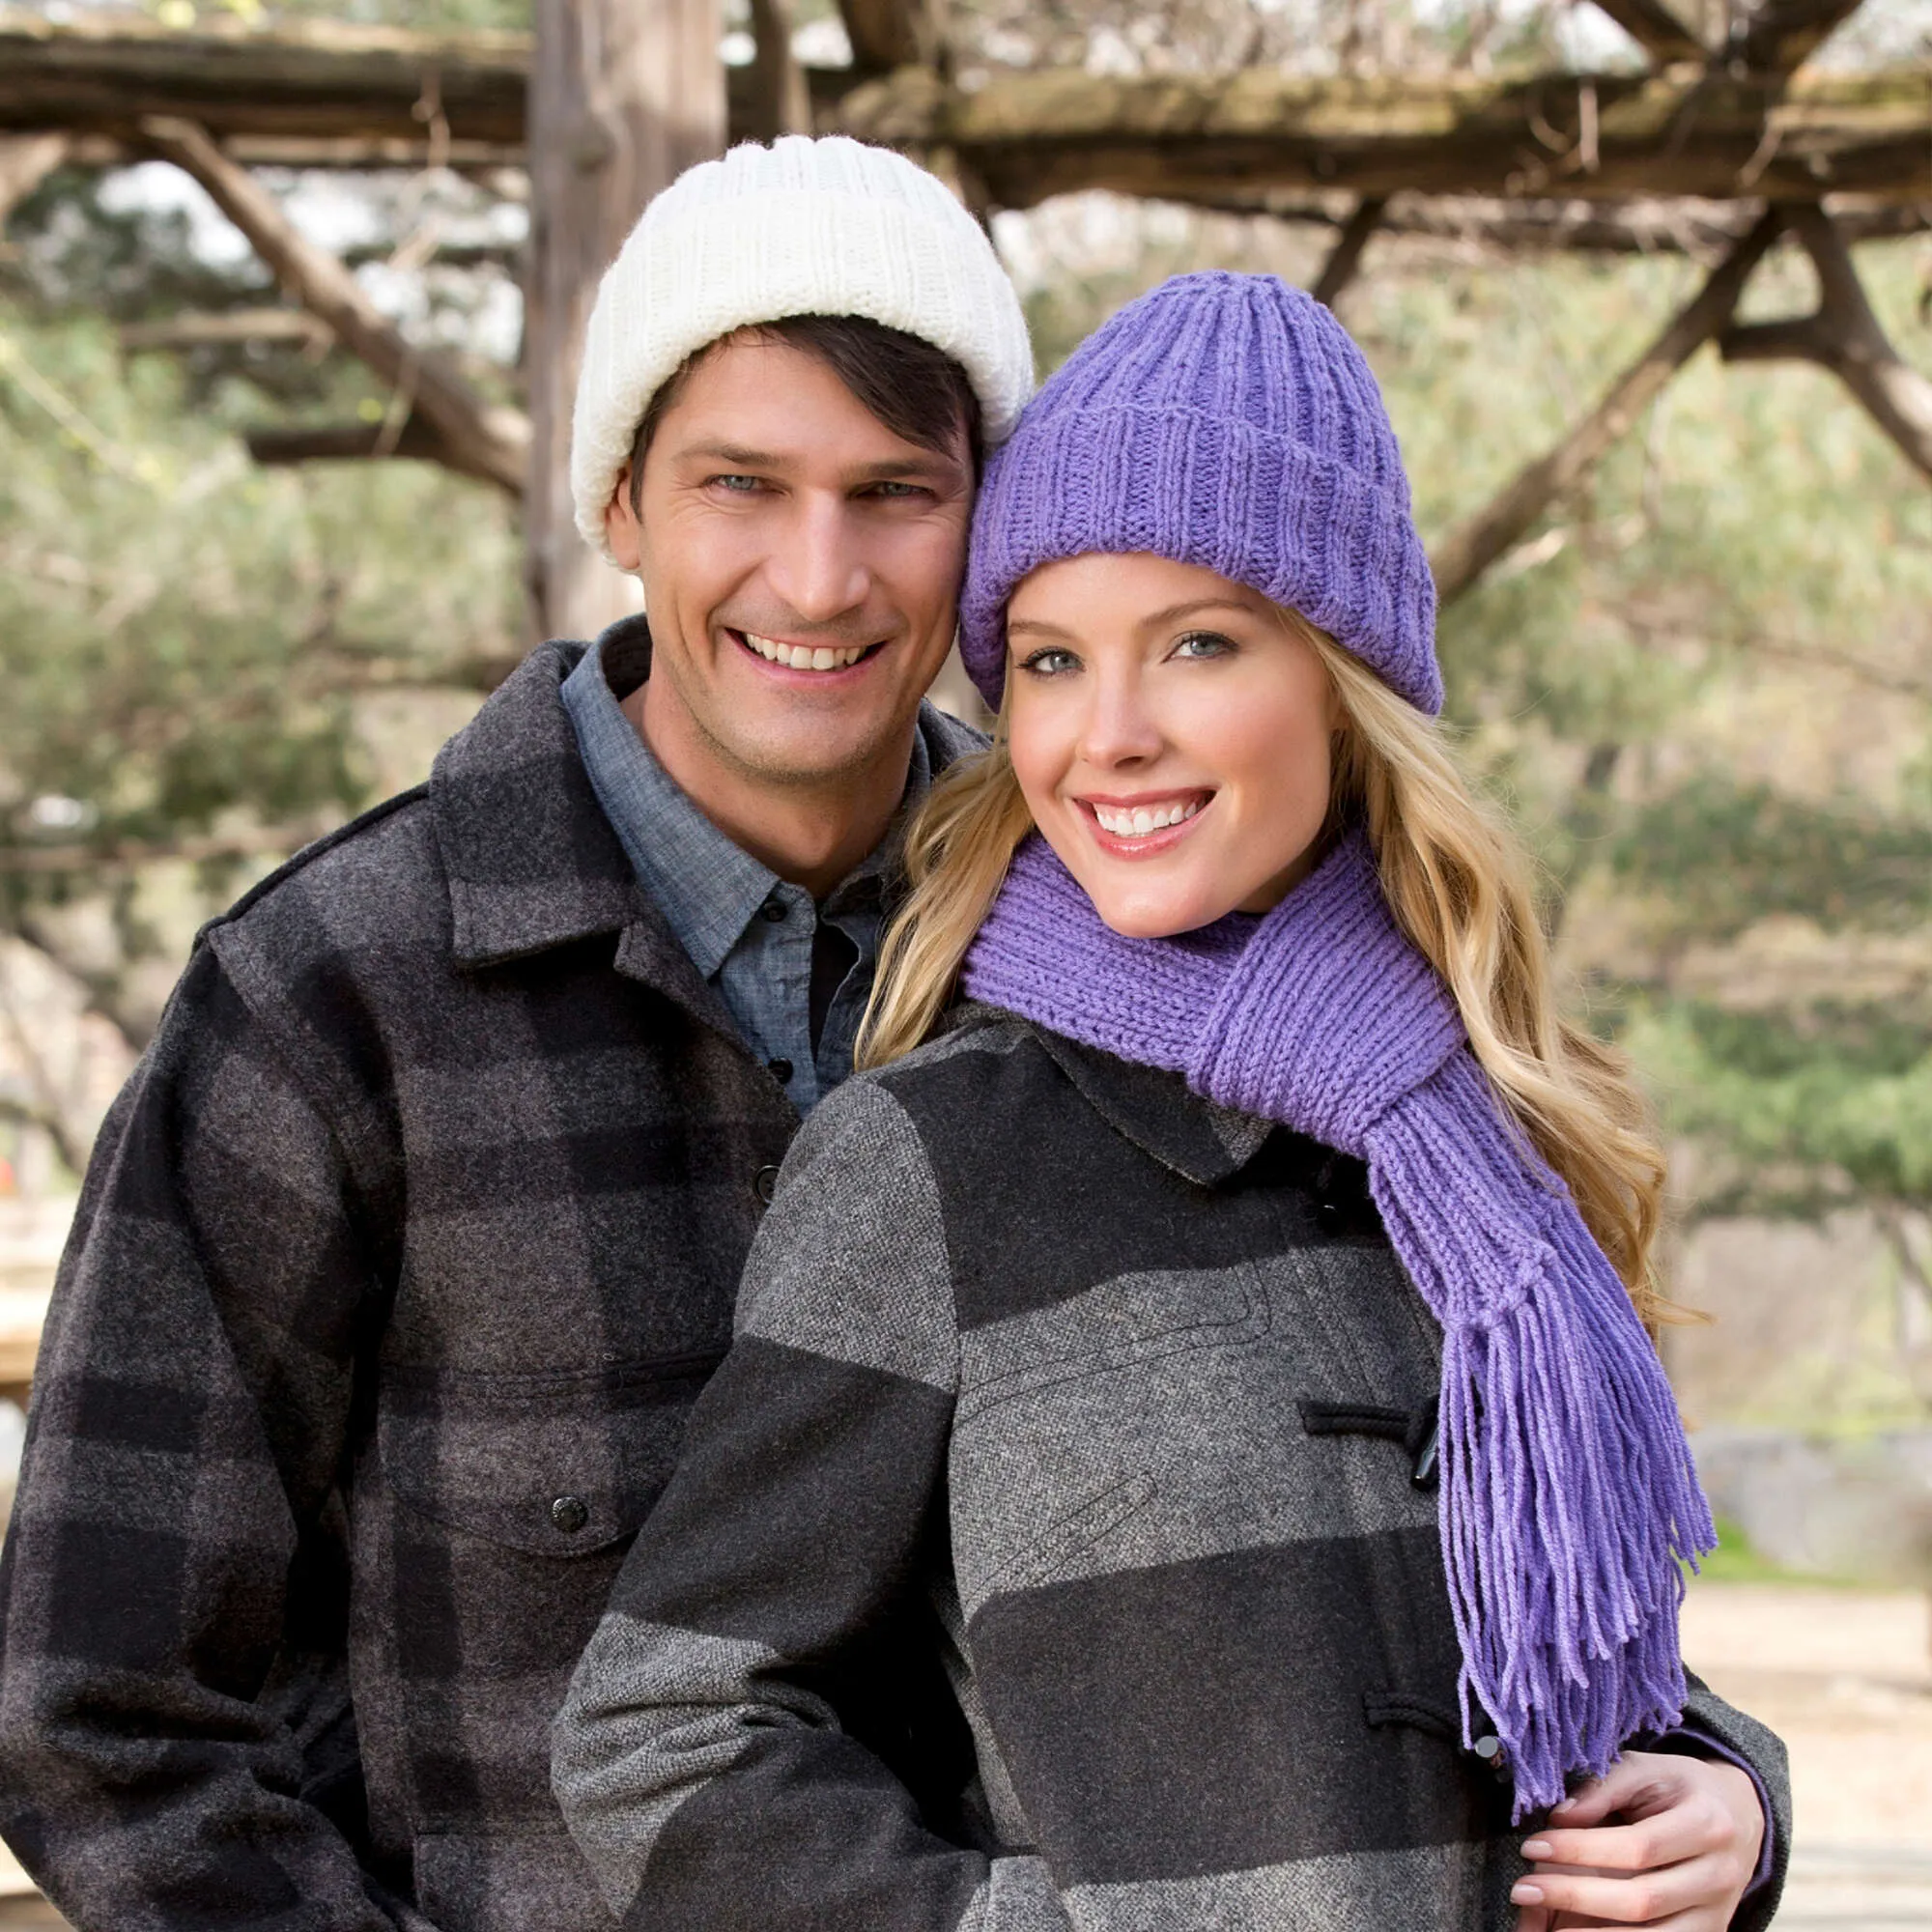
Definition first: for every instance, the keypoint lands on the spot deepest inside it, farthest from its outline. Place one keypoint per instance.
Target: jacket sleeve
(167, 1693)
(698, 1758)
(1711, 1728)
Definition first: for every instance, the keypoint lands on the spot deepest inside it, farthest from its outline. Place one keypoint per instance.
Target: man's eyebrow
(736, 454)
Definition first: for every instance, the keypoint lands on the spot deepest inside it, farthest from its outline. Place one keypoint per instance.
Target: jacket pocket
(559, 1466)
(1131, 1319)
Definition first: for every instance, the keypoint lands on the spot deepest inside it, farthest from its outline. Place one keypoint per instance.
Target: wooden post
(624, 95)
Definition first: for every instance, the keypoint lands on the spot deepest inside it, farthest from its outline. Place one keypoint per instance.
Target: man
(415, 1234)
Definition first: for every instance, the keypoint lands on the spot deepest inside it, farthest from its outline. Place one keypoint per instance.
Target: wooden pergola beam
(1650, 227)
(886, 34)
(1783, 35)
(1845, 336)
(301, 93)
(1721, 136)
(318, 94)
(1465, 554)
(485, 441)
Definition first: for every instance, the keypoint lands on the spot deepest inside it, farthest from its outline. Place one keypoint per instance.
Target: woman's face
(1172, 735)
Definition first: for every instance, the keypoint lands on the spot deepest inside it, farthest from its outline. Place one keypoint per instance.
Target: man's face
(800, 565)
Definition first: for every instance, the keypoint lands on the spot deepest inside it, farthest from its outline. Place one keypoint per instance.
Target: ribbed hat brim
(1328, 543)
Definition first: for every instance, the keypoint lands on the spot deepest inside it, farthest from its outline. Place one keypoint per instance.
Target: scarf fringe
(1569, 1497)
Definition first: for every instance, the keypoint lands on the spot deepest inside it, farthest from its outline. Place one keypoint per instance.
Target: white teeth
(804, 657)
(1138, 821)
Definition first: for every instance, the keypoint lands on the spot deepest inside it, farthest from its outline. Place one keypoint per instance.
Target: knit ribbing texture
(804, 227)
(1569, 1499)
(1227, 421)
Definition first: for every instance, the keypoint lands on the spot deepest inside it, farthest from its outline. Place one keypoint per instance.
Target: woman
(1226, 1339)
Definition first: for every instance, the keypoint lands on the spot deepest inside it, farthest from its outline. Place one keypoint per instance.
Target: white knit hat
(804, 227)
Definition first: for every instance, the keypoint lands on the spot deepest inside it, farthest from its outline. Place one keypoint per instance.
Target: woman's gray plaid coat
(1123, 1402)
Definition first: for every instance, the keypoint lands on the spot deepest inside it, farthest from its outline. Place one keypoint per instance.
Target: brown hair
(918, 391)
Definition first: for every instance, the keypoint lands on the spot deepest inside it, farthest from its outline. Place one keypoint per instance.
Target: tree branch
(26, 160)
(1655, 28)
(1846, 337)
(489, 442)
(1345, 259)
(415, 439)
(1463, 557)
(231, 328)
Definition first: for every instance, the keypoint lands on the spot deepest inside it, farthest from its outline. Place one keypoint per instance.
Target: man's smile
(804, 657)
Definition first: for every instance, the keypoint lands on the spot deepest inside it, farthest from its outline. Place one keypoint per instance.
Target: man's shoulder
(947, 739)
(376, 874)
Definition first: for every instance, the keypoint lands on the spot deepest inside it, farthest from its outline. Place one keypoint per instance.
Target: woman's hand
(1683, 1850)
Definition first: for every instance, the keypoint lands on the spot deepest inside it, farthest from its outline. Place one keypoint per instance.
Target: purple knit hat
(1227, 421)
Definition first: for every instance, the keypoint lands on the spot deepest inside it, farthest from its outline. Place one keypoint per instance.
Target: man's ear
(622, 530)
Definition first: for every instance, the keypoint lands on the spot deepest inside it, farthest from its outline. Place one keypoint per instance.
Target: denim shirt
(748, 932)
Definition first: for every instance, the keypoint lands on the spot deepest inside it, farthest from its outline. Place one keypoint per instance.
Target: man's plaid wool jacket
(399, 1264)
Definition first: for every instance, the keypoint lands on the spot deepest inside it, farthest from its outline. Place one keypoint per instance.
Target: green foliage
(1801, 1112)
(1730, 854)
(185, 637)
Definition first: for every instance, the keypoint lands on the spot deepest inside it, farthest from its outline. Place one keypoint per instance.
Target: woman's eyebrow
(1037, 624)
(1175, 613)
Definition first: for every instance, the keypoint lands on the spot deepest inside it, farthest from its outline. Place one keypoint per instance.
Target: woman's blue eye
(1203, 645)
(1050, 661)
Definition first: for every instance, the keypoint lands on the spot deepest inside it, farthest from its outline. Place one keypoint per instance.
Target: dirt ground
(1843, 1676)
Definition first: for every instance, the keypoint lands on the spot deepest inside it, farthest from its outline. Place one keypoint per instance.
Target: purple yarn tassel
(1569, 1497)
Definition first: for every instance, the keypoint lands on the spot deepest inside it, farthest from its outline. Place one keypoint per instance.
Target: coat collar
(532, 860)
(1156, 1110)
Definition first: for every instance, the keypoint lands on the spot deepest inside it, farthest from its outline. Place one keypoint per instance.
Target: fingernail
(1539, 1848)
(1527, 1893)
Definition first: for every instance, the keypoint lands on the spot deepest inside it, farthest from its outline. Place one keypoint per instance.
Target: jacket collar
(1156, 1110)
(532, 859)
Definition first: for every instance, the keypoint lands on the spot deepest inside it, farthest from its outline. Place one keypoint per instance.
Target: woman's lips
(1143, 828)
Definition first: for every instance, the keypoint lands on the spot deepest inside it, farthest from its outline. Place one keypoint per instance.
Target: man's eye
(1203, 645)
(895, 491)
(736, 485)
(1050, 661)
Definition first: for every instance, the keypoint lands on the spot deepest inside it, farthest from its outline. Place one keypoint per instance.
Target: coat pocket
(1131, 1319)
(558, 1466)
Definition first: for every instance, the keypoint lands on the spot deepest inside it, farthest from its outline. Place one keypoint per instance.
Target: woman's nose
(1118, 727)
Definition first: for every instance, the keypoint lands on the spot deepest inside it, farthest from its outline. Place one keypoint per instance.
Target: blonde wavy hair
(1461, 886)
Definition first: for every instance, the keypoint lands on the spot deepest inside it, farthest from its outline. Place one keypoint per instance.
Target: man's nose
(818, 566)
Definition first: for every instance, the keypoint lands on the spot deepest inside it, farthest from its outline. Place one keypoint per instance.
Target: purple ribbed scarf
(1567, 1495)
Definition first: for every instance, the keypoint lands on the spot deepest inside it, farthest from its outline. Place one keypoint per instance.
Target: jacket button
(780, 1070)
(570, 1513)
(773, 909)
(764, 1183)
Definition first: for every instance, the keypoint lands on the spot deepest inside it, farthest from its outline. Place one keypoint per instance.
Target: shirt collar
(708, 886)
